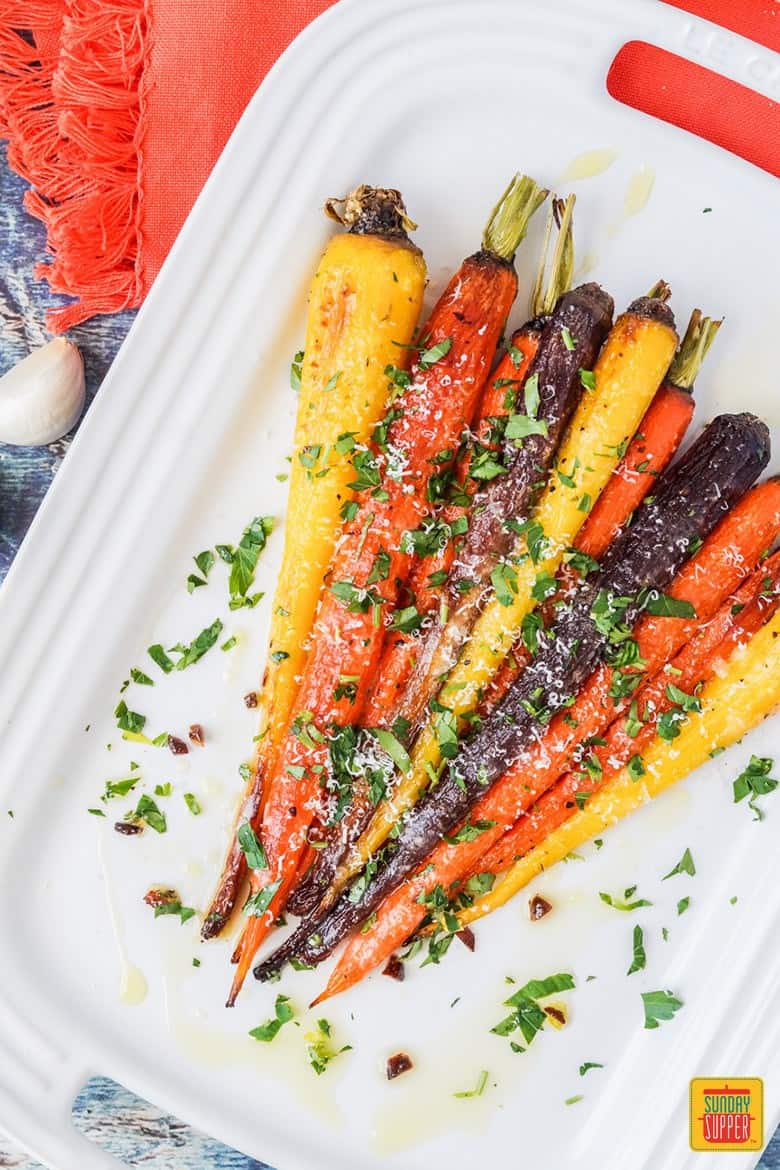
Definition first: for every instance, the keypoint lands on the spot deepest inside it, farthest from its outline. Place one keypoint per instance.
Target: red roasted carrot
(653, 446)
(731, 551)
(414, 442)
(425, 583)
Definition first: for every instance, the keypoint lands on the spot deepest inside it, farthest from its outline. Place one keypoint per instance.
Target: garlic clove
(42, 397)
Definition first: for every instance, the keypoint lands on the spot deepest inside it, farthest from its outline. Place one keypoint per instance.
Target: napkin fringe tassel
(75, 127)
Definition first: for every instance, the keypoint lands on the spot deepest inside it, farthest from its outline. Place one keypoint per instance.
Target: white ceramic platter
(444, 99)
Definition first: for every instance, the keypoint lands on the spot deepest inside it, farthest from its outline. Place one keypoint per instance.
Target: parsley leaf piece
(192, 803)
(319, 1048)
(429, 357)
(659, 1006)
(139, 677)
(588, 379)
(684, 865)
(683, 905)
(283, 1013)
(258, 903)
(252, 847)
(205, 561)
(624, 903)
(295, 371)
(394, 748)
(119, 787)
(589, 1064)
(639, 961)
(661, 605)
(253, 541)
(158, 655)
(753, 782)
(541, 988)
(504, 581)
(198, 647)
(573, 1100)
(128, 720)
(569, 341)
(147, 811)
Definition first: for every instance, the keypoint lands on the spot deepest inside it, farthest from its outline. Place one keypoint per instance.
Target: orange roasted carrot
(652, 448)
(416, 441)
(428, 573)
(706, 580)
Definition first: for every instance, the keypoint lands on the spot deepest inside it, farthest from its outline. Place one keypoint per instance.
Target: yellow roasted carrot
(364, 302)
(732, 703)
(629, 370)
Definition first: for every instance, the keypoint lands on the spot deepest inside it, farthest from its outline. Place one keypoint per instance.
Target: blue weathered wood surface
(131, 1129)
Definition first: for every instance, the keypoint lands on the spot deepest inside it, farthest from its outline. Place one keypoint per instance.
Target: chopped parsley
(753, 782)
(251, 847)
(295, 371)
(147, 811)
(478, 1089)
(320, 1049)
(639, 961)
(625, 903)
(659, 1006)
(256, 905)
(283, 1013)
(242, 569)
(684, 865)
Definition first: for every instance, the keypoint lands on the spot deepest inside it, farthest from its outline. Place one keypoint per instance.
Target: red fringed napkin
(115, 112)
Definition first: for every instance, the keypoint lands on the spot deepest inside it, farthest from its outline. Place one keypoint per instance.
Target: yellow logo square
(727, 1113)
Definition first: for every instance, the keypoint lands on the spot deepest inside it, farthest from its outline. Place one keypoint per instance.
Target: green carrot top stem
(661, 291)
(687, 362)
(510, 217)
(544, 299)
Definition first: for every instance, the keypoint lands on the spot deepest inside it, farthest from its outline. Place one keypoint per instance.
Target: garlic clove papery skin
(42, 397)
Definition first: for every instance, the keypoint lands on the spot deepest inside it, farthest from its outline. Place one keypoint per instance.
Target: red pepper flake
(400, 1063)
(466, 936)
(557, 1015)
(250, 700)
(129, 828)
(394, 968)
(177, 746)
(196, 734)
(159, 896)
(538, 907)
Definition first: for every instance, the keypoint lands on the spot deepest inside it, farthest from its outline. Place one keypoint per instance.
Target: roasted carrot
(734, 701)
(744, 612)
(365, 298)
(400, 647)
(393, 482)
(657, 439)
(629, 370)
(442, 535)
(401, 913)
(595, 625)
